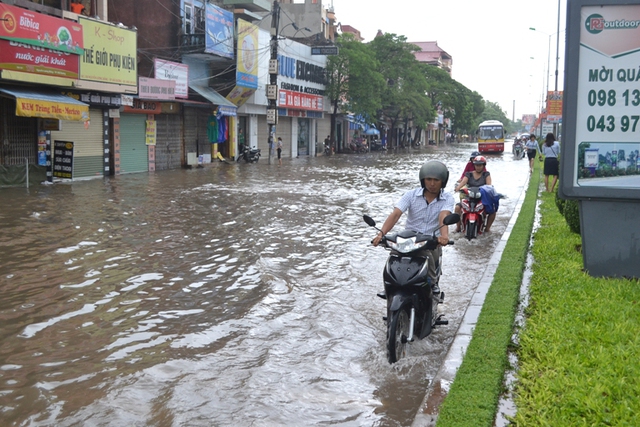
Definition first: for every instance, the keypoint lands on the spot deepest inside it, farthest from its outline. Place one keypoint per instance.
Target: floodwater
(235, 294)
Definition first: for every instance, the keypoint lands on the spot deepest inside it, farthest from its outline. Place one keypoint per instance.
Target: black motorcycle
(249, 154)
(412, 305)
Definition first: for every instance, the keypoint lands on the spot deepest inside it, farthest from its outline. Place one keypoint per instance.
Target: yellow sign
(26, 107)
(110, 55)
(247, 66)
(150, 132)
(239, 95)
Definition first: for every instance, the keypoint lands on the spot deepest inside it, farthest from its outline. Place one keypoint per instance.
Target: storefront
(168, 152)
(30, 117)
(87, 139)
(219, 121)
(196, 141)
(133, 149)
(18, 135)
(130, 145)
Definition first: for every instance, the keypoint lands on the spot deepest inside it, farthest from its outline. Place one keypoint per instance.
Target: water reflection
(236, 294)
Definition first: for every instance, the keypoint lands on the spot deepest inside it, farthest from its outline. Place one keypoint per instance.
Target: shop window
(51, 3)
(81, 7)
(199, 19)
(188, 16)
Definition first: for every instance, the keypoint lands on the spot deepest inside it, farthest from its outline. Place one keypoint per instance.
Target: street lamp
(557, 33)
(547, 72)
(548, 58)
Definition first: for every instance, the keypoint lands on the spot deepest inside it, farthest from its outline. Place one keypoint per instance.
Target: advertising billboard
(218, 31)
(30, 59)
(39, 30)
(599, 165)
(111, 54)
(176, 72)
(602, 115)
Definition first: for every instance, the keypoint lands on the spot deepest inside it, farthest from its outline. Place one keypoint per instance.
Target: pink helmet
(479, 160)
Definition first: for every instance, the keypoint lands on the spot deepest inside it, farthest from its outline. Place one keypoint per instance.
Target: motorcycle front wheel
(472, 230)
(398, 334)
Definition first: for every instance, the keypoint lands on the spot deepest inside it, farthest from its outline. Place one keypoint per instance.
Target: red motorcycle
(473, 214)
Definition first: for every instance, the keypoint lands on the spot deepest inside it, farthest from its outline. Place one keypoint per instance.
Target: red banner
(30, 59)
(299, 100)
(36, 29)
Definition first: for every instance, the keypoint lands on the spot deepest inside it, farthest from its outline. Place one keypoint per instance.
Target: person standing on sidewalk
(279, 149)
(551, 151)
(532, 149)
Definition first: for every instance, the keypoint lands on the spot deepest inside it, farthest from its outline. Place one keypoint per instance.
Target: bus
(490, 137)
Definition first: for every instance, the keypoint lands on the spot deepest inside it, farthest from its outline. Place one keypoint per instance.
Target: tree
(404, 95)
(459, 104)
(492, 111)
(354, 83)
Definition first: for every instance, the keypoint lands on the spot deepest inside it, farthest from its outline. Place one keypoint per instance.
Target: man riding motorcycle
(427, 207)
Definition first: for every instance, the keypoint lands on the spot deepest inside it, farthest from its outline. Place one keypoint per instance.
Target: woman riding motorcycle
(478, 177)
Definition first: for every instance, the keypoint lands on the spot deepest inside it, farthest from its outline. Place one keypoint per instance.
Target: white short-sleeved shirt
(553, 151)
(423, 216)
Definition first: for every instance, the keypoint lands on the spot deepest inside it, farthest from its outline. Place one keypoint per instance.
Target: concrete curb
(439, 388)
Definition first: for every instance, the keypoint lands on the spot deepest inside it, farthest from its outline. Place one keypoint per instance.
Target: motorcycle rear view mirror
(451, 219)
(370, 221)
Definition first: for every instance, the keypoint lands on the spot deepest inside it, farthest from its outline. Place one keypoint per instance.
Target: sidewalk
(438, 389)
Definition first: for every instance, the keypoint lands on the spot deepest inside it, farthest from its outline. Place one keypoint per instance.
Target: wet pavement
(235, 294)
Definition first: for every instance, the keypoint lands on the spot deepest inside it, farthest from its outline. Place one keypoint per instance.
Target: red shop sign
(30, 59)
(25, 26)
(299, 100)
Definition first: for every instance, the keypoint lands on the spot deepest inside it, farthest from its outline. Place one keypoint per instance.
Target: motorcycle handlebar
(383, 241)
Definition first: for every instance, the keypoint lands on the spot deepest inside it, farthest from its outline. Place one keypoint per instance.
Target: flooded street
(236, 294)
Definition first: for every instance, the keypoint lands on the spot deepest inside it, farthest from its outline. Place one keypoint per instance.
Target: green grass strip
(473, 398)
(579, 350)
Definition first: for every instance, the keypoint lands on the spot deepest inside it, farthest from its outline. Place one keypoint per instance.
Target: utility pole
(555, 125)
(272, 88)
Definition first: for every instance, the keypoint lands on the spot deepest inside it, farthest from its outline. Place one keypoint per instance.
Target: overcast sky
(489, 40)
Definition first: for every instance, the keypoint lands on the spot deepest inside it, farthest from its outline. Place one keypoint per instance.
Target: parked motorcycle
(358, 146)
(412, 306)
(327, 149)
(249, 154)
(474, 217)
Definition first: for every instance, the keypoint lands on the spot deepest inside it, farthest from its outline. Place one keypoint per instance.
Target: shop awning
(48, 105)
(225, 107)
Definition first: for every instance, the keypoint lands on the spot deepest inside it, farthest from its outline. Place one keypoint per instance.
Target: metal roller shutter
(190, 129)
(133, 149)
(204, 146)
(168, 142)
(263, 136)
(88, 147)
(195, 130)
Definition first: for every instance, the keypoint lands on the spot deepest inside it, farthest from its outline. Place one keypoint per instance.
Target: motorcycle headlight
(475, 194)
(404, 246)
(479, 207)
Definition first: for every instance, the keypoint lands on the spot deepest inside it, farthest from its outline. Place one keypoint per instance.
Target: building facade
(125, 87)
(63, 75)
